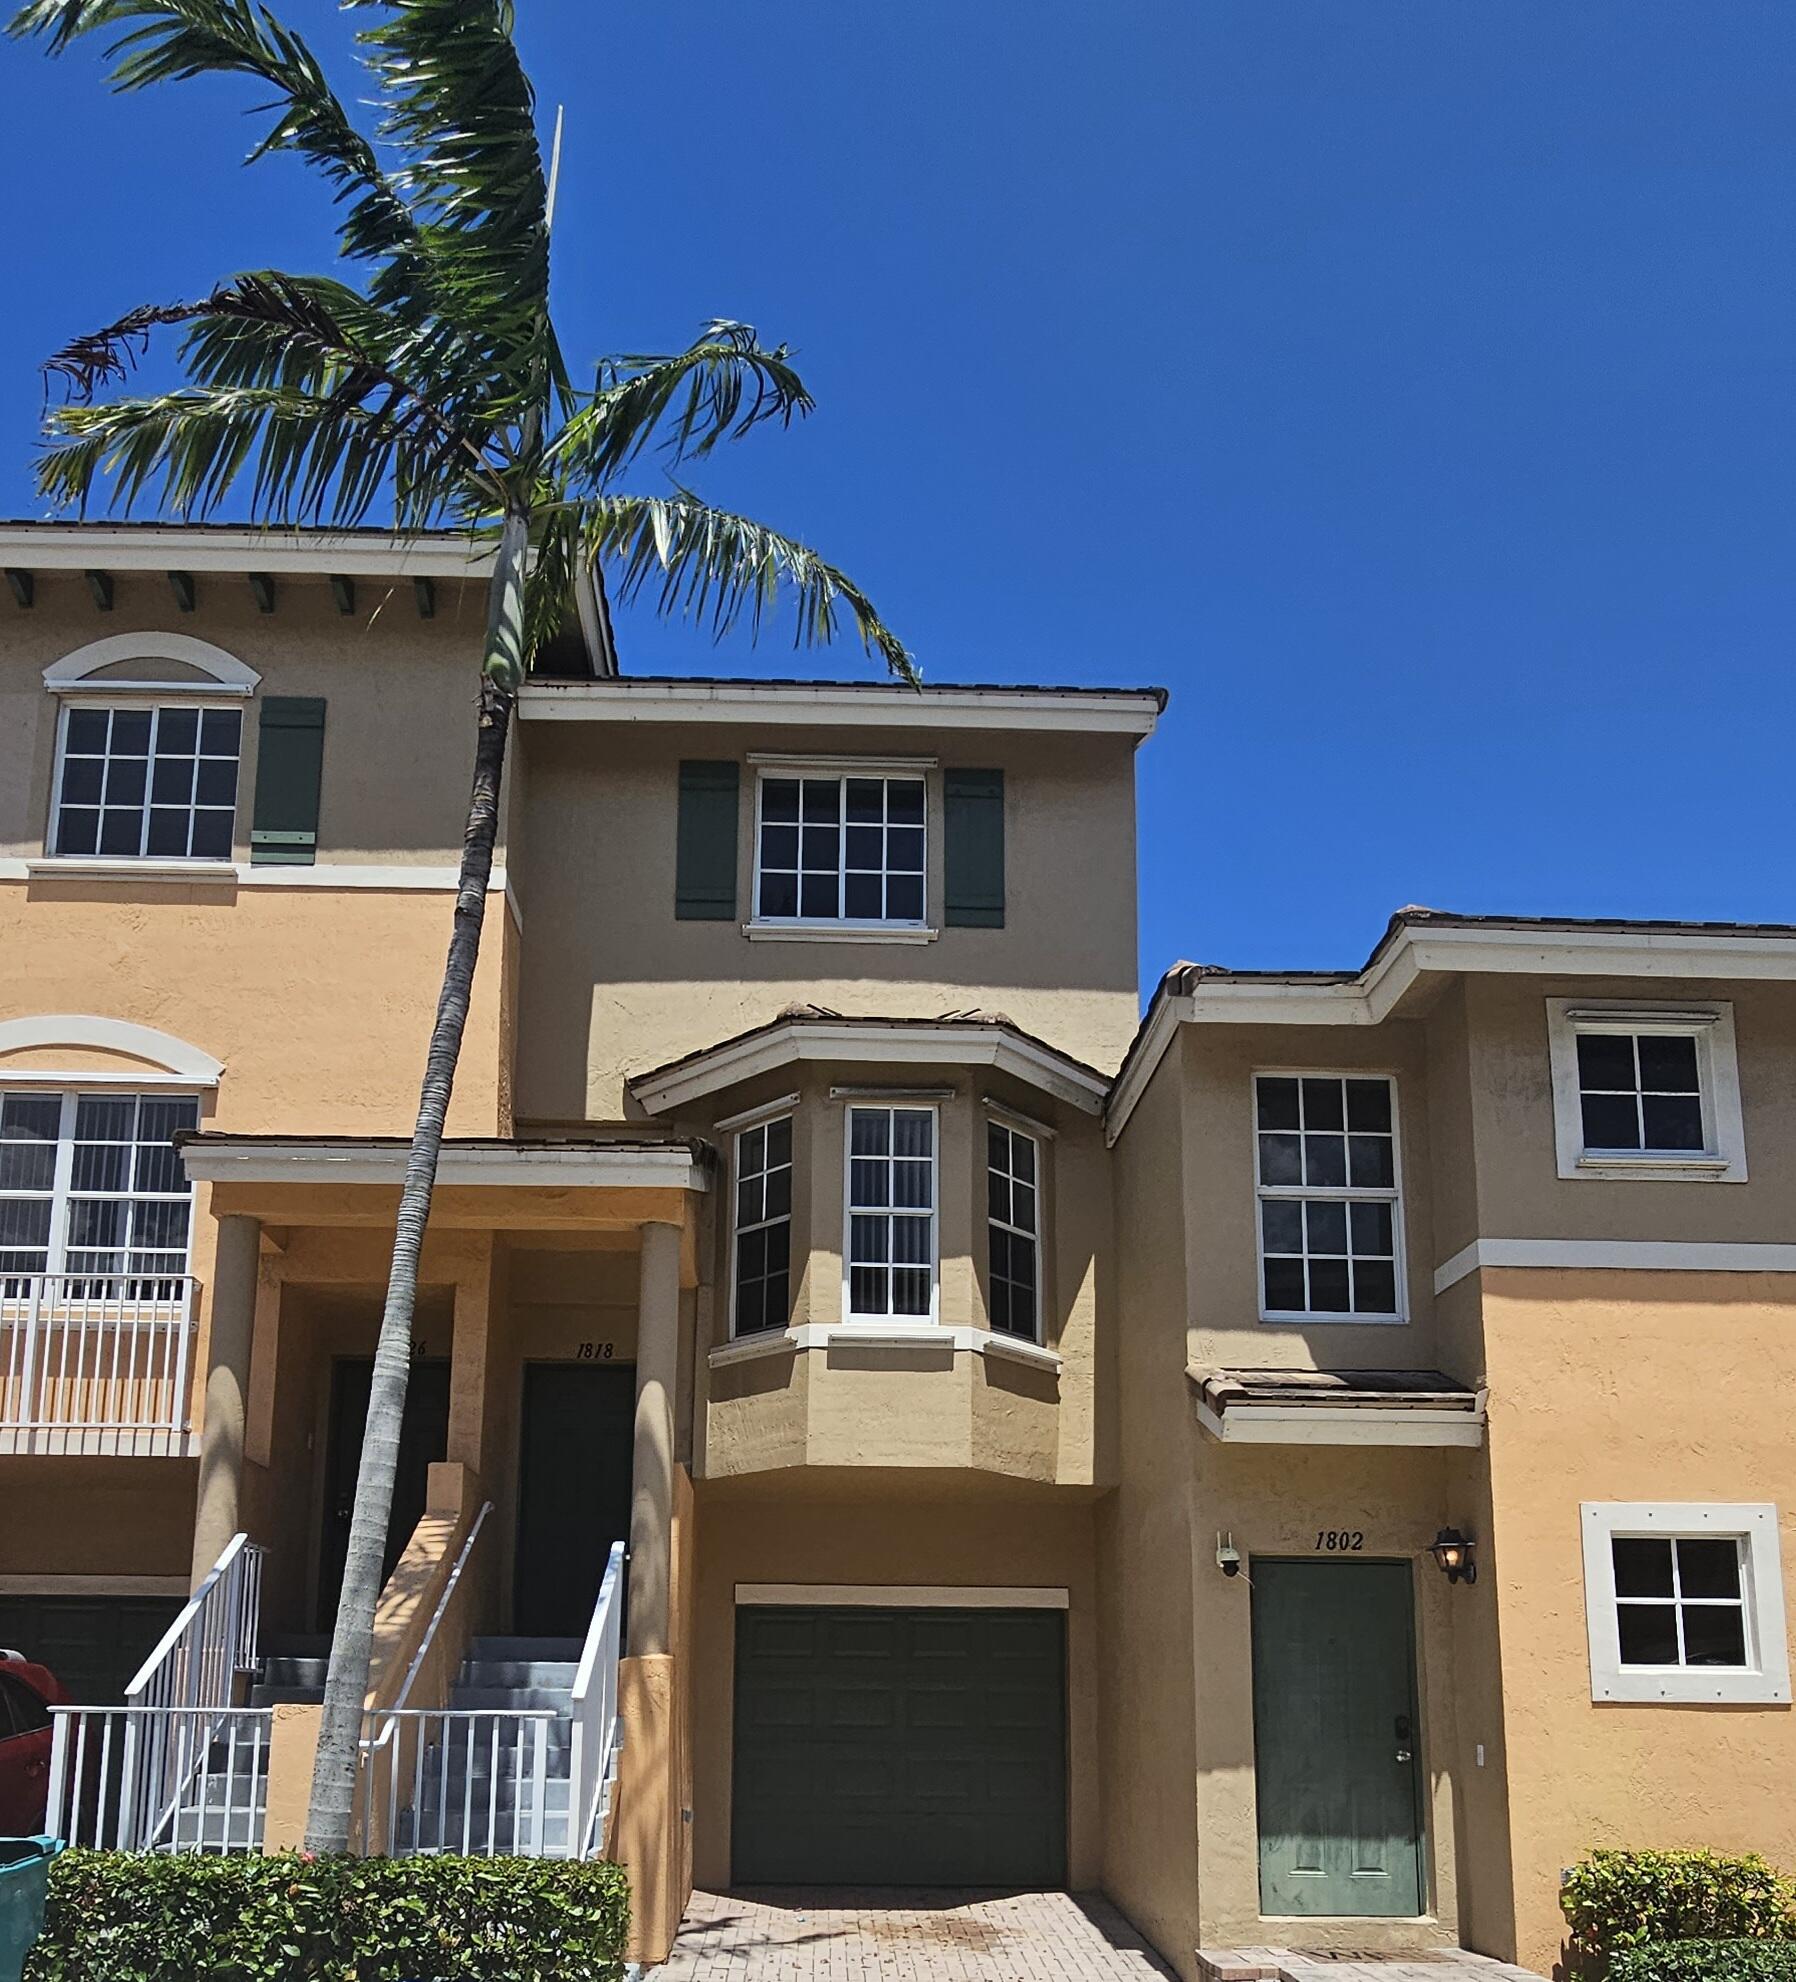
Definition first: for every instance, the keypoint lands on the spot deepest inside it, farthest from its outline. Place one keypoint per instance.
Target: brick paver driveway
(899, 1936)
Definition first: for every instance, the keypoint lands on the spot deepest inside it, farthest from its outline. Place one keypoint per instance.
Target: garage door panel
(94, 1645)
(932, 1751)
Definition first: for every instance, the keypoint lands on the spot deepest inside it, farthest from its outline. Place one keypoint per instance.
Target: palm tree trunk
(352, 1641)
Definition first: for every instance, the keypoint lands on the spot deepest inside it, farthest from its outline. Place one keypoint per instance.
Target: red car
(27, 1693)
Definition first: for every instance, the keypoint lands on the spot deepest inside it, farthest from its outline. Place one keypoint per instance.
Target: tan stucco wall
(95, 1517)
(1627, 1386)
(1521, 1194)
(614, 985)
(878, 1528)
(399, 726)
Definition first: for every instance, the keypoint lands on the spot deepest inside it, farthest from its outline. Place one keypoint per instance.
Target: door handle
(1401, 1729)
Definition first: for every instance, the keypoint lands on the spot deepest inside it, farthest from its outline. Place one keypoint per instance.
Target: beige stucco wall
(399, 726)
(614, 985)
(881, 1528)
(96, 1517)
(1627, 1386)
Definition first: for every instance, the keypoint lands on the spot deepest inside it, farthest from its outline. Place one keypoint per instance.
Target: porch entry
(1335, 1738)
(423, 1440)
(574, 1464)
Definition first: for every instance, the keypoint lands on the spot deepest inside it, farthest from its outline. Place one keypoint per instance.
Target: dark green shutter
(973, 804)
(705, 853)
(289, 767)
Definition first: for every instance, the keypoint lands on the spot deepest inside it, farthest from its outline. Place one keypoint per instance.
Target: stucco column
(652, 1470)
(233, 1328)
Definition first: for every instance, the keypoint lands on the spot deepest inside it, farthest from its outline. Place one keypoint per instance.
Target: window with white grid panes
(147, 783)
(1640, 1091)
(1013, 1226)
(1680, 1600)
(841, 849)
(1329, 1213)
(92, 1185)
(763, 1236)
(891, 1252)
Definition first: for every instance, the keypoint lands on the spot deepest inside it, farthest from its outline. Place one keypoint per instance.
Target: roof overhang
(907, 1044)
(292, 553)
(1337, 1407)
(223, 1159)
(775, 704)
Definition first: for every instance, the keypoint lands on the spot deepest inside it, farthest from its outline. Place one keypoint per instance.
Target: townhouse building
(1307, 1462)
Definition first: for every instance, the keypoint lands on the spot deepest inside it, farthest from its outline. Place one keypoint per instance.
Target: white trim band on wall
(84, 1030)
(904, 1596)
(225, 674)
(1623, 1255)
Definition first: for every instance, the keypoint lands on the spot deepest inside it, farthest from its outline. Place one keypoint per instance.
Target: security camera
(1228, 1556)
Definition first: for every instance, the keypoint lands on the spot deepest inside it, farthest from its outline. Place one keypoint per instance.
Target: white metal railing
(469, 1780)
(595, 1710)
(197, 1661)
(96, 1352)
(159, 1778)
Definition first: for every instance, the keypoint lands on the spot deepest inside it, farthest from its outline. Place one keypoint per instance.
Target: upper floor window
(1013, 1206)
(1645, 1091)
(147, 782)
(840, 849)
(891, 1251)
(763, 1229)
(1684, 1602)
(91, 1185)
(1329, 1210)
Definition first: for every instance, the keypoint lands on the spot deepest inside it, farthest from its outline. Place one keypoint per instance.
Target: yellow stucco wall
(1627, 1386)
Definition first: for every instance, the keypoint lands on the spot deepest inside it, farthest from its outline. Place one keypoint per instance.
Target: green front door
(1334, 1721)
(900, 1747)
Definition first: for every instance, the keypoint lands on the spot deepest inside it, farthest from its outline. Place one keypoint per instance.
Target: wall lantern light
(1454, 1554)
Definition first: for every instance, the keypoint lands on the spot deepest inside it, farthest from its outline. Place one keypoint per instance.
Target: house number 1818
(1332, 1541)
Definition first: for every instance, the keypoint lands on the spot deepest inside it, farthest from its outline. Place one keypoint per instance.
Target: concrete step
(295, 1669)
(512, 1699)
(552, 1842)
(507, 1795)
(274, 1696)
(559, 1673)
(567, 1650)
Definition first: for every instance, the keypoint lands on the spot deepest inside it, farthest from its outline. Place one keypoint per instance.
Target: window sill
(838, 932)
(1698, 1166)
(1333, 1320)
(81, 867)
(1652, 1686)
(883, 1335)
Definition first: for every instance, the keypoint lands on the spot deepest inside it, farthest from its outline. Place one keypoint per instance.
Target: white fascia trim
(296, 553)
(895, 1046)
(768, 705)
(225, 674)
(1616, 1255)
(245, 873)
(813, 764)
(905, 1596)
(838, 932)
(298, 1163)
(883, 1335)
(1312, 1424)
(1765, 1682)
(175, 1058)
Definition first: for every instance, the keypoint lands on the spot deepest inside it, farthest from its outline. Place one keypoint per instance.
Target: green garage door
(900, 1747)
(94, 1645)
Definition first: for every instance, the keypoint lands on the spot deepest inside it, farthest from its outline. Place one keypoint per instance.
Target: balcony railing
(95, 1362)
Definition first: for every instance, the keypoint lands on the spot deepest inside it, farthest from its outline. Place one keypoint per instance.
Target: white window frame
(888, 1323)
(198, 703)
(62, 1193)
(825, 927)
(996, 1118)
(1765, 1679)
(738, 1126)
(1721, 1160)
(1345, 1194)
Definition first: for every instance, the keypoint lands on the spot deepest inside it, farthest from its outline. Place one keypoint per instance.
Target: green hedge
(1706, 1961)
(1617, 1901)
(128, 1917)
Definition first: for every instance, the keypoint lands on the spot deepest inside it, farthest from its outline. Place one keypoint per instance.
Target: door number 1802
(1334, 1541)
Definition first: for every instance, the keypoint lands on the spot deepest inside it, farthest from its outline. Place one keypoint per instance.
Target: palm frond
(309, 456)
(459, 110)
(717, 389)
(728, 570)
(173, 40)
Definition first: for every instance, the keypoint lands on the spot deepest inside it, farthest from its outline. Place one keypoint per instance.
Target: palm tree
(434, 388)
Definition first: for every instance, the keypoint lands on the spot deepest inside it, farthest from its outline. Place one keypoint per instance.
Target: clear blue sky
(1408, 387)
